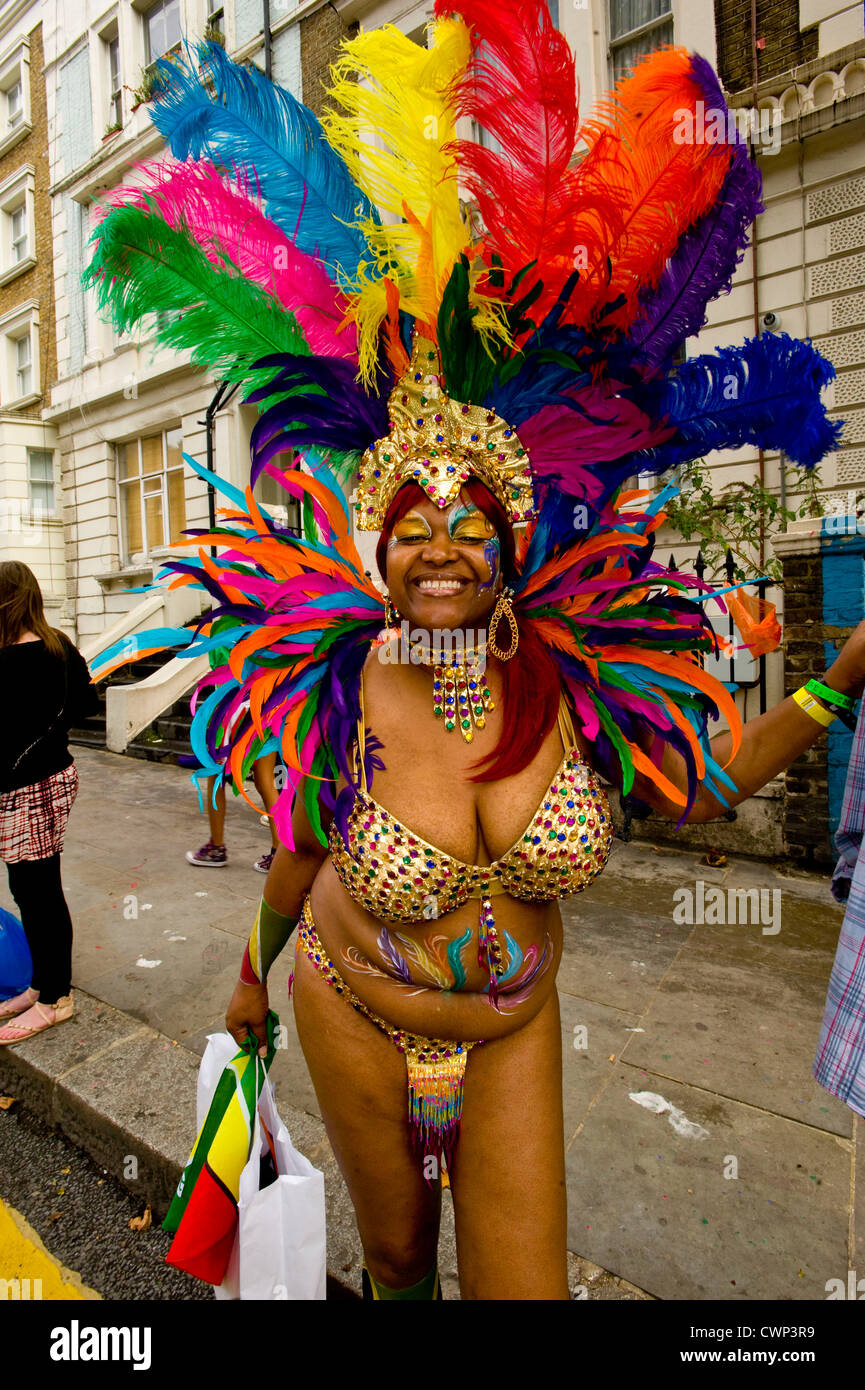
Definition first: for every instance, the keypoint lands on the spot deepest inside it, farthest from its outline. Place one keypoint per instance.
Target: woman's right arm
(291, 876)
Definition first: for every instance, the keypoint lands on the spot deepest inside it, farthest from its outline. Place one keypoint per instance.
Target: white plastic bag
(279, 1251)
(221, 1048)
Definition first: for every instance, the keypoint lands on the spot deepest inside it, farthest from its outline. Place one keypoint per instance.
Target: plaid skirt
(33, 819)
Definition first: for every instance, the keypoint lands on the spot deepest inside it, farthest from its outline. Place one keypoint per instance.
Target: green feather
(142, 266)
(616, 738)
(310, 530)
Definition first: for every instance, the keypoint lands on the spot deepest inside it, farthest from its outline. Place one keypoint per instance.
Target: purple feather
(345, 417)
(391, 955)
(704, 262)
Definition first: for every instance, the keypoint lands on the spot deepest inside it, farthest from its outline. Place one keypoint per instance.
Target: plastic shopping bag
(203, 1212)
(16, 967)
(280, 1248)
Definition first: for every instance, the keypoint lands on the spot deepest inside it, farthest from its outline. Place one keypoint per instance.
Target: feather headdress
(551, 268)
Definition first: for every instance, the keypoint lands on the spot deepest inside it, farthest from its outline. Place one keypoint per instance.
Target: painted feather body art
(428, 957)
(357, 963)
(534, 966)
(434, 962)
(391, 956)
(455, 957)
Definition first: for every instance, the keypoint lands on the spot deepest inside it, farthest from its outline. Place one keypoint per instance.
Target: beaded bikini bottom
(436, 1066)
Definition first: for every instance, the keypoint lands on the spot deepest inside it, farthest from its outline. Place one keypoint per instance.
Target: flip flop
(62, 1010)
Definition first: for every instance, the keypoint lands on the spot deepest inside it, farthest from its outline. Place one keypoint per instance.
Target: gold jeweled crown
(439, 443)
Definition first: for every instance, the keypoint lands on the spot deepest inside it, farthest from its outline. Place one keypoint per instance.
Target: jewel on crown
(439, 443)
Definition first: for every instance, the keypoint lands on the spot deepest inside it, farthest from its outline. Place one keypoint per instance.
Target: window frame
(632, 35)
(23, 321)
(150, 550)
(15, 71)
(26, 366)
(215, 18)
(16, 192)
(146, 15)
(54, 512)
(115, 89)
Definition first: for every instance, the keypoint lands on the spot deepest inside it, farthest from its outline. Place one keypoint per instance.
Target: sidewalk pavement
(704, 1162)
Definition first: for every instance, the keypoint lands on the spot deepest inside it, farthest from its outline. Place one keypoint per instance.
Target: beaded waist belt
(436, 1066)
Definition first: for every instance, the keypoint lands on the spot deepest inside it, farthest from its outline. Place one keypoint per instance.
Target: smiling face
(443, 566)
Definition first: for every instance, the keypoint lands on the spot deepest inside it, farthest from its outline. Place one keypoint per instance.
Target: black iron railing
(761, 585)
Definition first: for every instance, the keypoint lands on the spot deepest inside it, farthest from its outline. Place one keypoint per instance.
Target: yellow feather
(396, 139)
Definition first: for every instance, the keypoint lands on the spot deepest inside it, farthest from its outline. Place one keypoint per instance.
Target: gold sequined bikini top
(399, 877)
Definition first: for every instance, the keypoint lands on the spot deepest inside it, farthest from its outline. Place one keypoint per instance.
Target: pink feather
(565, 444)
(224, 218)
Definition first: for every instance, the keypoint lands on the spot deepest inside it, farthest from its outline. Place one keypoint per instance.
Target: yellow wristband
(809, 705)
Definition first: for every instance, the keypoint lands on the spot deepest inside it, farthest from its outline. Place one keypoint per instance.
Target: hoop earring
(503, 609)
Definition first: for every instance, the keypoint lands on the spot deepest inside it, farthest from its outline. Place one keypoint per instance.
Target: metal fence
(739, 667)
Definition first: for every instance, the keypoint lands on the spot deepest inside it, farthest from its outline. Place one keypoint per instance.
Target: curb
(125, 1095)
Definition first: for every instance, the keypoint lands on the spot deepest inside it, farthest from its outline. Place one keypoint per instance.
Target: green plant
(112, 128)
(739, 517)
(151, 83)
(214, 35)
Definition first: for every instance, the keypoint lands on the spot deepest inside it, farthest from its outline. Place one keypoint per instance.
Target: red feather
(520, 86)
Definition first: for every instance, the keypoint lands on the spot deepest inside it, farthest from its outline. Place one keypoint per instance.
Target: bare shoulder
(387, 677)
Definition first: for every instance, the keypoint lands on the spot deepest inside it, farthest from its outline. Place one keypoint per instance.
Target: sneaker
(210, 856)
(263, 864)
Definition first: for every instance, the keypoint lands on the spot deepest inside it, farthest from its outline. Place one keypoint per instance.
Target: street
(82, 1215)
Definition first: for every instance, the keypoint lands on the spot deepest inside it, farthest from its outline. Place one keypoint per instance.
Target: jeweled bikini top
(396, 875)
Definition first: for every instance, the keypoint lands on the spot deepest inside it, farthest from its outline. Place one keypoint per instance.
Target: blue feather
(252, 123)
(142, 641)
(221, 484)
(765, 393)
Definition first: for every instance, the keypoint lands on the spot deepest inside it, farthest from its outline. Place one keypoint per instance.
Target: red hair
(531, 685)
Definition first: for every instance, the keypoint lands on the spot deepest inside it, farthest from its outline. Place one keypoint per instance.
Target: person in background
(45, 689)
(214, 855)
(839, 1064)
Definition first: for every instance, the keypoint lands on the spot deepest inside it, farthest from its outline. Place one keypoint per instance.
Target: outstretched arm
(770, 743)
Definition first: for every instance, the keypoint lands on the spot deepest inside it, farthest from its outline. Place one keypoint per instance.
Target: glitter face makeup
(467, 525)
(411, 527)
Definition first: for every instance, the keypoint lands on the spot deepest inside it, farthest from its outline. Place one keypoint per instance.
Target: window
(18, 222)
(150, 492)
(115, 86)
(40, 472)
(637, 27)
(161, 29)
(15, 118)
(24, 366)
(216, 15)
(15, 103)
(19, 353)
(17, 204)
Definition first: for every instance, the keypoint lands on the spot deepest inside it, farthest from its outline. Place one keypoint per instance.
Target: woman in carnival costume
(487, 387)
